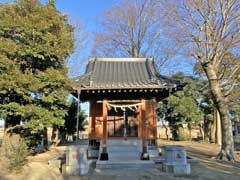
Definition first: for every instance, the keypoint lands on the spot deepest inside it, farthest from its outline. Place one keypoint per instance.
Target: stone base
(183, 169)
(104, 156)
(92, 153)
(76, 171)
(145, 156)
(72, 170)
(119, 164)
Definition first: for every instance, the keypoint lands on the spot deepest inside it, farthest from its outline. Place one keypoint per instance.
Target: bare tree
(208, 30)
(81, 38)
(132, 29)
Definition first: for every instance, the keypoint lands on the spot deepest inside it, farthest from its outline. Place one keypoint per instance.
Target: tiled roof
(123, 73)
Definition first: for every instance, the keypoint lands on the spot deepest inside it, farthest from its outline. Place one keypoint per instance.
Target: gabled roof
(123, 73)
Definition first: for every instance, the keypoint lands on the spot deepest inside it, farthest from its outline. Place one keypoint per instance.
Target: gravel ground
(199, 171)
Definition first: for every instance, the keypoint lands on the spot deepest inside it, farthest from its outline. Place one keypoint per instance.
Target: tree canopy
(35, 42)
(208, 31)
(183, 106)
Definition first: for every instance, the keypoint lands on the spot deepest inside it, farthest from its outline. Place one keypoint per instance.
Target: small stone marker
(76, 160)
(176, 160)
(55, 162)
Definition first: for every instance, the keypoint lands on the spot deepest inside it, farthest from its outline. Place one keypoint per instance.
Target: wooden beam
(120, 101)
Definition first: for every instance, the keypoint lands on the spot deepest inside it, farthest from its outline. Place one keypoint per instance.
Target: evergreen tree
(35, 42)
(182, 107)
(71, 119)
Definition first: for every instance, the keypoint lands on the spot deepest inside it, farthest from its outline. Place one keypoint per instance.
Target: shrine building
(123, 95)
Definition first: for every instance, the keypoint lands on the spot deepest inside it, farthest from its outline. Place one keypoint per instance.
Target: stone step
(153, 153)
(134, 142)
(127, 148)
(125, 155)
(117, 164)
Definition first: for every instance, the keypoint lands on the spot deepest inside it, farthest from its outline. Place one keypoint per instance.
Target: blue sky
(88, 13)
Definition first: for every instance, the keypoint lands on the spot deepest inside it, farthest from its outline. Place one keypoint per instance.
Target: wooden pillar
(154, 107)
(104, 136)
(144, 135)
(139, 119)
(104, 155)
(92, 120)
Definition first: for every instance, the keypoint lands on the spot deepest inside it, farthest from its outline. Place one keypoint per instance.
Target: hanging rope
(132, 107)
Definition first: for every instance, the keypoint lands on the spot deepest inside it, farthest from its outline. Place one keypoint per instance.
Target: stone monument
(76, 160)
(176, 160)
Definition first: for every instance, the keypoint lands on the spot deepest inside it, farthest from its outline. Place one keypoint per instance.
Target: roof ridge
(124, 59)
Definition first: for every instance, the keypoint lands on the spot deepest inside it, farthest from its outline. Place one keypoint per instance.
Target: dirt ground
(37, 167)
(208, 167)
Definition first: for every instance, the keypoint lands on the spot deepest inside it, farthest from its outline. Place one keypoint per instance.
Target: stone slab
(115, 164)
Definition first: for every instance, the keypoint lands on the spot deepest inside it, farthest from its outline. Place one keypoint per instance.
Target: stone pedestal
(76, 160)
(176, 160)
(183, 169)
(93, 152)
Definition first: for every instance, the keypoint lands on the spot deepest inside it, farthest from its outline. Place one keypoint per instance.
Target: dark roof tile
(120, 73)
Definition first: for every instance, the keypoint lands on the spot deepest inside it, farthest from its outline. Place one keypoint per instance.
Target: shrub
(14, 152)
(183, 135)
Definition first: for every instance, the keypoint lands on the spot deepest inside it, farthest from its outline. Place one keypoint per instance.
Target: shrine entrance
(122, 123)
(123, 95)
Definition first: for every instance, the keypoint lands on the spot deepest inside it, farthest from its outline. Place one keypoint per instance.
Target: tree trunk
(166, 131)
(227, 148)
(213, 130)
(202, 131)
(207, 126)
(190, 132)
(218, 129)
(45, 138)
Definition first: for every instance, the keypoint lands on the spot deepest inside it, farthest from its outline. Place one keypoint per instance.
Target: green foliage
(35, 42)
(182, 107)
(14, 152)
(182, 135)
(71, 119)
